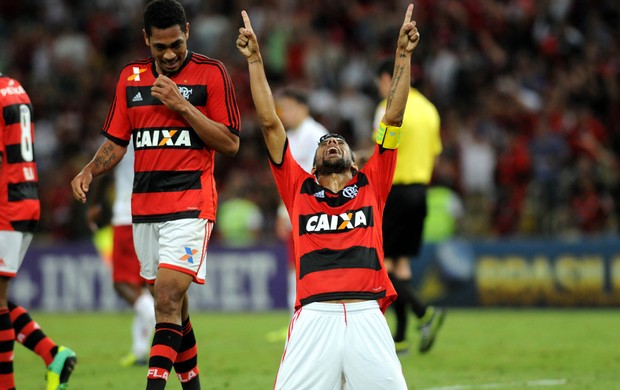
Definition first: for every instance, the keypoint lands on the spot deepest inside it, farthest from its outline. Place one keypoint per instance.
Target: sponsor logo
(188, 376)
(158, 373)
(137, 98)
(186, 92)
(320, 194)
(189, 252)
(10, 90)
(148, 138)
(325, 223)
(136, 74)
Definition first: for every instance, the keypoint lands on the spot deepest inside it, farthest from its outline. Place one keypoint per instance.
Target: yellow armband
(388, 136)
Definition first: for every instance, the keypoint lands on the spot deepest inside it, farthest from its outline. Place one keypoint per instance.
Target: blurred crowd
(528, 92)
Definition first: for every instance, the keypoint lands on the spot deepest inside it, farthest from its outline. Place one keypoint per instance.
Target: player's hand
(168, 93)
(80, 185)
(409, 36)
(247, 42)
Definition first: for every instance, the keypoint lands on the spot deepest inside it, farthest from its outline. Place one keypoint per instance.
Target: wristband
(388, 136)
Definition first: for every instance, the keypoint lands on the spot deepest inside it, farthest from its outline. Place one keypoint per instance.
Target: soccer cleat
(402, 347)
(429, 326)
(61, 368)
(131, 359)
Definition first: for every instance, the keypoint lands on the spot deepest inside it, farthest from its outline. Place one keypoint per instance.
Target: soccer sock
(7, 342)
(166, 343)
(29, 334)
(186, 365)
(405, 289)
(399, 307)
(143, 324)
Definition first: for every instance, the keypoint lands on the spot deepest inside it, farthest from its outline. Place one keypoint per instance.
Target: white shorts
(13, 247)
(340, 346)
(180, 245)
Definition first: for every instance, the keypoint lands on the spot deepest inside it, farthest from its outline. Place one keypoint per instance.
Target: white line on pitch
(534, 383)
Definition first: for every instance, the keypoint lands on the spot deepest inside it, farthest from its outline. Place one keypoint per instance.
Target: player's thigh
(370, 360)
(312, 355)
(125, 264)
(13, 247)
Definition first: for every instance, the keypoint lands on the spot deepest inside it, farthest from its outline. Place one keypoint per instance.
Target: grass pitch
(476, 349)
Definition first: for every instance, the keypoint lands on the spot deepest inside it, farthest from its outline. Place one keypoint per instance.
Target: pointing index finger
(246, 20)
(407, 14)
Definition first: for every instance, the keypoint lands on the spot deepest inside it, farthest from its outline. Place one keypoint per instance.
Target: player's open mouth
(331, 151)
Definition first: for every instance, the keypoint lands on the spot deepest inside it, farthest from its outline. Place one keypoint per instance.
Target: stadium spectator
(179, 108)
(127, 282)
(406, 207)
(338, 336)
(551, 51)
(19, 215)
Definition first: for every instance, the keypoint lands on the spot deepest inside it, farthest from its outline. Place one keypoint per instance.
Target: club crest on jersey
(350, 191)
(136, 73)
(326, 223)
(149, 138)
(186, 92)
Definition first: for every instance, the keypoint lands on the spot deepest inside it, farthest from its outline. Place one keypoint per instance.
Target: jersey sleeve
(117, 126)
(288, 176)
(222, 103)
(380, 170)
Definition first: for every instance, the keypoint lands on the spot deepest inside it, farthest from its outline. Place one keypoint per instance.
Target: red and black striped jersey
(20, 208)
(337, 236)
(173, 167)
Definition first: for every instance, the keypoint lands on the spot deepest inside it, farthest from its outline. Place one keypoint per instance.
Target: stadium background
(528, 92)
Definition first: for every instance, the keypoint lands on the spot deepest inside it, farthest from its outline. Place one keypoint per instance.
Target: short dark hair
(163, 14)
(297, 94)
(385, 66)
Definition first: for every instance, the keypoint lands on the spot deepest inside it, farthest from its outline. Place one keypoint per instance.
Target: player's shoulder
(139, 65)
(202, 59)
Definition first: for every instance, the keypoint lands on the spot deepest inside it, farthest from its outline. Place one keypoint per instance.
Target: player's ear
(186, 30)
(354, 168)
(146, 37)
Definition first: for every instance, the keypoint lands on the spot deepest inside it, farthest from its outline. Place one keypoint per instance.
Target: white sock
(143, 324)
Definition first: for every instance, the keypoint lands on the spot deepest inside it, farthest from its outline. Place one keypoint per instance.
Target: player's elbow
(231, 148)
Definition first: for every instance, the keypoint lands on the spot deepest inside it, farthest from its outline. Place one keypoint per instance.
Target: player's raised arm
(408, 39)
(273, 130)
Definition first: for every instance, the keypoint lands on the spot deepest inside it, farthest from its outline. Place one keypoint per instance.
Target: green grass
(476, 349)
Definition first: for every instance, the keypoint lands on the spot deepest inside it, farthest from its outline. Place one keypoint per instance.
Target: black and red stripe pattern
(166, 343)
(174, 167)
(19, 200)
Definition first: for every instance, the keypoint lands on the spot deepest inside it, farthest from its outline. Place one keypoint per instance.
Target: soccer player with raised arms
(338, 336)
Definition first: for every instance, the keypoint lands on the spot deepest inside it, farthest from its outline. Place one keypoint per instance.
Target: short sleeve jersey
(20, 208)
(337, 236)
(173, 167)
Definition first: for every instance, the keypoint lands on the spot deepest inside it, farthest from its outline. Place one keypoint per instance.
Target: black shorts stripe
(370, 296)
(165, 217)
(327, 259)
(28, 225)
(166, 181)
(23, 191)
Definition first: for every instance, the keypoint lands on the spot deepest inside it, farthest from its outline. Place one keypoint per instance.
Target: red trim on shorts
(179, 269)
(8, 274)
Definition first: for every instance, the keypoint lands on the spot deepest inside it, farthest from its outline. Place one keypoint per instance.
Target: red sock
(29, 334)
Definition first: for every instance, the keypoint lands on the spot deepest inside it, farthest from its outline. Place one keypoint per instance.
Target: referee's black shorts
(403, 220)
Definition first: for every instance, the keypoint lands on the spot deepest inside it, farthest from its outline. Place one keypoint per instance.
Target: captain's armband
(388, 136)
